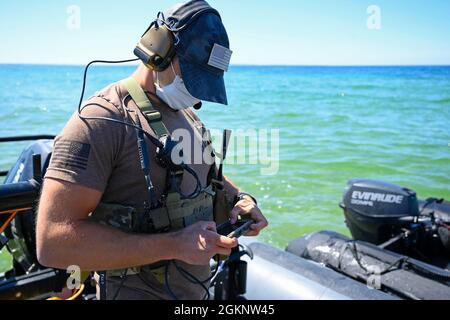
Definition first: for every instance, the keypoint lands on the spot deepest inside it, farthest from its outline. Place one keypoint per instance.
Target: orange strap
(12, 214)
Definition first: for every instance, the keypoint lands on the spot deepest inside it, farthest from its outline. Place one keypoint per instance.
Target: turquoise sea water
(336, 123)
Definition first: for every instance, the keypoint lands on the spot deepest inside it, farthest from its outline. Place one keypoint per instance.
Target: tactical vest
(173, 213)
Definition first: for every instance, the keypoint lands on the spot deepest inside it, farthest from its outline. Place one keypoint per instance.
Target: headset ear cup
(158, 47)
(157, 61)
(160, 64)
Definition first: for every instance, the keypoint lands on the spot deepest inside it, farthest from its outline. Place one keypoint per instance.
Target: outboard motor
(21, 231)
(377, 211)
(392, 217)
(400, 244)
(19, 194)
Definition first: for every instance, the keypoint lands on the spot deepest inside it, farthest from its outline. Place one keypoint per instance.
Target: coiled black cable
(155, 141)
(198, 189)
(123, 278)
(192, 279)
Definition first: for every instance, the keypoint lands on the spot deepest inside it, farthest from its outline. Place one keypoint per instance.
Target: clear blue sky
(287, 32)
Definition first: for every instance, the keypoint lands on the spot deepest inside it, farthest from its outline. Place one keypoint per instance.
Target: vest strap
(153, 116)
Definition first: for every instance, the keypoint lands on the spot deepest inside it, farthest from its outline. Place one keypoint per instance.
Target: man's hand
(247, 208)
(199, 243)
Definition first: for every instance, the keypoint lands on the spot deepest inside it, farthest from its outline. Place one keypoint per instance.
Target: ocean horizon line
(247, 65)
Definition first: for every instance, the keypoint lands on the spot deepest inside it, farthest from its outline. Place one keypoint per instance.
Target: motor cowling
(376, 211)
(21, 231)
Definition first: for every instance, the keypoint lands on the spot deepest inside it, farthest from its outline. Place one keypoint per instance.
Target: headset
(156, 48)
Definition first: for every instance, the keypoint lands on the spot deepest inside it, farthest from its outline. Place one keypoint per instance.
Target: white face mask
(175, 94)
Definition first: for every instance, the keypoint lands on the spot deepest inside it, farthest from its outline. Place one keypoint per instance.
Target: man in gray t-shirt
(97, 161)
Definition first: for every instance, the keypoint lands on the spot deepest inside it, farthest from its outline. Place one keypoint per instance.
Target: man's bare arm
(65, 236)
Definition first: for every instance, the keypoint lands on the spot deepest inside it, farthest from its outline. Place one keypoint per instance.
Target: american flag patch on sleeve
(71, 154)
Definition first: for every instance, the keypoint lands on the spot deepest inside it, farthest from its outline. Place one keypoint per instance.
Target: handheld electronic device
(240, 228)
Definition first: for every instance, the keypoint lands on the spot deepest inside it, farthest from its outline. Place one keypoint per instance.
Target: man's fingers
(252, 233)
(261, 224)
(260, 221)
(226, 242)
(254, 230)
(210, 225)
(235, 214)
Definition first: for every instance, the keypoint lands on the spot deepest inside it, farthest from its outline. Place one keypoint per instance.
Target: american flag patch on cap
(71, 154)
(220, 57)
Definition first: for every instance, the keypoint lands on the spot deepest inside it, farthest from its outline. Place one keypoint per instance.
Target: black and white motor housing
(376, 211)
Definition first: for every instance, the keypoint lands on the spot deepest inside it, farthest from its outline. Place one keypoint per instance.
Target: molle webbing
(153, 116)
(175, 215)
